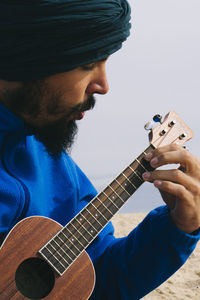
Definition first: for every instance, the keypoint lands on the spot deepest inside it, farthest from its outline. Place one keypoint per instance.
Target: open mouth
(80, 109)
(79, 115)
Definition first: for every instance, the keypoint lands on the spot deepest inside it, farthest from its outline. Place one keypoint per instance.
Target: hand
(180, 190)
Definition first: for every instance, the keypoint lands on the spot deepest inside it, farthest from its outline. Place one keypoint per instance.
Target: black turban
(39, 38)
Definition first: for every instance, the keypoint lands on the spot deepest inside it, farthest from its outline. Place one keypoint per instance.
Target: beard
(57, 136)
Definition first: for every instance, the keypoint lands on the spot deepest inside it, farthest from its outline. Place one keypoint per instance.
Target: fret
(93, 217)
(76, 246)
(113, 203)
(107, 198)
(59, 268)
(54, 257)
(107, 209)
(73, 239)
(72, 250)
(84, 223)
(124, 196)
(135, 172)
(90, 231)
(64, 245)
(115, 194)
(127, 185)
(131, 183)
(96, 211)
(83, 226)
(147, 165)
(141, 165)
(58, 248)
(82, 240)
(121, 185)
(88, 228)
(59, 257)
(129, 173)
(49, 256)
(114, 198)
(118, 195)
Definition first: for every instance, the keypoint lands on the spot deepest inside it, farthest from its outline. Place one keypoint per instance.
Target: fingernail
(149, 156)
(146, 175)
(154, 162)
(157, 183)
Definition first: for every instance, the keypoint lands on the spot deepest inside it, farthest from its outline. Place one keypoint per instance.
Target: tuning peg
(157, 118)
(151, 124)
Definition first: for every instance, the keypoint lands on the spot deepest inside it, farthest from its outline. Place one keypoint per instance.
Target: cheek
(76, 95)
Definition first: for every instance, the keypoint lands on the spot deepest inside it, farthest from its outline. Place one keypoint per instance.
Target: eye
(88, 67)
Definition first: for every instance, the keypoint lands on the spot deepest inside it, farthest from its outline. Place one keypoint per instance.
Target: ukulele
(42, 259)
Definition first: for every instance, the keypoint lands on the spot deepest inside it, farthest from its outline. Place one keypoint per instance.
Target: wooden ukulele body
(21, 248)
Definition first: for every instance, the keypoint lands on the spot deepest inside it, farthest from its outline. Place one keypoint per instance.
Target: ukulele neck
(78, 234)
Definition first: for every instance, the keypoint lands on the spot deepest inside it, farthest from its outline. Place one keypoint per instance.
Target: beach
(184, 284)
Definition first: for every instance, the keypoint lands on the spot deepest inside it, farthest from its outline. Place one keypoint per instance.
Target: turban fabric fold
(39, 38)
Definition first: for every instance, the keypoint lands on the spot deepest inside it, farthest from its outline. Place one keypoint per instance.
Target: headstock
(171, 130)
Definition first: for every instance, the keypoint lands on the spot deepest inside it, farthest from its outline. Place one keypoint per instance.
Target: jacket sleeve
(128, 268)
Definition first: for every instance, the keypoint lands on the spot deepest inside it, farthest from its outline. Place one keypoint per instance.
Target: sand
(184, 284)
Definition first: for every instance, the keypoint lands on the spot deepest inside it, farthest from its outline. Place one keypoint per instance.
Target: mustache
(88, 104)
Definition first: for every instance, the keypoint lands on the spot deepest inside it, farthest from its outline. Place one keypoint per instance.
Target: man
(52, 61)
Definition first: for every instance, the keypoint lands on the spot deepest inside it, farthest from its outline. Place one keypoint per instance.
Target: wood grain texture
(23, 242)
(171, 133)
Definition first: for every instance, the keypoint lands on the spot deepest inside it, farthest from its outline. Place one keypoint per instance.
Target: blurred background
(157, 70)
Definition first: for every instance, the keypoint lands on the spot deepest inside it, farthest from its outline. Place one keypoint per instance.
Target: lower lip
(80, 116)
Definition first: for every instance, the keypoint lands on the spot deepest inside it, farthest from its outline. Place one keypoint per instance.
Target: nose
(99, 84)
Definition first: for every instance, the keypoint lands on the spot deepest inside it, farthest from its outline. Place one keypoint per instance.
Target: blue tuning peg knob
(151, 124)
(157, 118)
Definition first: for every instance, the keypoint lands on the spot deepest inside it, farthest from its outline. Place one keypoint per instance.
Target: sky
(157, 70)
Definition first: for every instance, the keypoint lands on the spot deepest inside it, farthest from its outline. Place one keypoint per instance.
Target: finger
(175, 176)
(175, 189)
(163, 149)
(177, 155)
(159, 153)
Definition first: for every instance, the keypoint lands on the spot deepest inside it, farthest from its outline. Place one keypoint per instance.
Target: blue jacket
(33, 183)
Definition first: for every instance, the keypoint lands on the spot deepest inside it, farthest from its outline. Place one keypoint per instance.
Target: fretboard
(61, 251)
